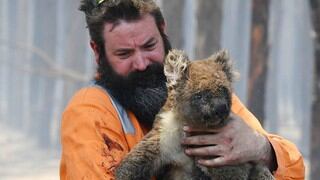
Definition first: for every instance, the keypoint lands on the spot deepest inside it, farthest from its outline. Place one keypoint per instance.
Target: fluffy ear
(222, 57)
(175, 66)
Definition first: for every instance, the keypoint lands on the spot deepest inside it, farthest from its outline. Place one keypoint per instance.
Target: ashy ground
(22, 159)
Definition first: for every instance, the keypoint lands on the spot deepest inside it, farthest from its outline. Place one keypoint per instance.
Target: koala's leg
(260, 172)
(198, 174)
(238, 172)
(143, 160)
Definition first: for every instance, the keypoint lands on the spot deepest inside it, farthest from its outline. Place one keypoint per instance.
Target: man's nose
(140, 62)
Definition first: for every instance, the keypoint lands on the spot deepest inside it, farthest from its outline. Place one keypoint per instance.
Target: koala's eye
(223, 90)
(197, 96)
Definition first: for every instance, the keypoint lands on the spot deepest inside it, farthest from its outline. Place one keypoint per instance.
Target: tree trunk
(315, 125)
(173, 12)
(209, 18)
(59, 83)
(42, 94)
(259, 58)
(4, 31)
(14, 108)
(28, 34)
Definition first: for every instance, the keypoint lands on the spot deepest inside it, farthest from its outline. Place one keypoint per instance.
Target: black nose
(219, 105)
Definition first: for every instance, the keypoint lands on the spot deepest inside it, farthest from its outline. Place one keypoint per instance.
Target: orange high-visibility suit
(94, 139)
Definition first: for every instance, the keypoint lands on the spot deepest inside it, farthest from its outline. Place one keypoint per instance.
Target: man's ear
(95, 49)
(175, 66)
(163, 28)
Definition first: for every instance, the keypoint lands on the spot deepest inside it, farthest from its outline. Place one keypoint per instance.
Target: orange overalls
(96, 134)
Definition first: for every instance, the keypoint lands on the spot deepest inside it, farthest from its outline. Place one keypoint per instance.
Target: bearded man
(103, 122)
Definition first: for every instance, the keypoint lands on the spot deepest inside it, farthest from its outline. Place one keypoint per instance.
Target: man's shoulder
(88, 114)
(91, 92)
(91, 96)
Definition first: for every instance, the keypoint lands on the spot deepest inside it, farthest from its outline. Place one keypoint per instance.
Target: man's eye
(150, 46)
(123, 55)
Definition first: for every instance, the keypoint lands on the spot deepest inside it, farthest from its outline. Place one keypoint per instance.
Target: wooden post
(259, 58)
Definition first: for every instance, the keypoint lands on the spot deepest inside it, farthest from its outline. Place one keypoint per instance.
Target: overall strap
(127, 125)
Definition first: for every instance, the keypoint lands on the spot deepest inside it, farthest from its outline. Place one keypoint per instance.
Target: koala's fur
(199, 94)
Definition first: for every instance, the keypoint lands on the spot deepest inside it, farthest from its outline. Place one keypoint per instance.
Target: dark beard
(143, 92)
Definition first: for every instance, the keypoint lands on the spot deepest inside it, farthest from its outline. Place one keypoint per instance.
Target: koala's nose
(221, 107)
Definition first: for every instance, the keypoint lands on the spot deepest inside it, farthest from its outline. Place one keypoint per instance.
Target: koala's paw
(260, 172)
(122, 174)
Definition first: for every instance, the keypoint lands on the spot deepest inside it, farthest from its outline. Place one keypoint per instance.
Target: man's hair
(99, 12)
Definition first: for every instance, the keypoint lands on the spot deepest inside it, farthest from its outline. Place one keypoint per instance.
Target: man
(104, 121)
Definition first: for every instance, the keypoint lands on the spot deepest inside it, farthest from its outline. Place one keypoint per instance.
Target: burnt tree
(173, 12)
(209, 19)
(315, 124)
(258, 58)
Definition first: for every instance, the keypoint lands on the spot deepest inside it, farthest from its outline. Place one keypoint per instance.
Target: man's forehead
(131, 33)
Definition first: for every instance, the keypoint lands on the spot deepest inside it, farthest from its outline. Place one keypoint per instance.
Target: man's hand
(230, 145)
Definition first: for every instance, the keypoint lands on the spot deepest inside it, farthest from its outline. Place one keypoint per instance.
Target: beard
(142, 92)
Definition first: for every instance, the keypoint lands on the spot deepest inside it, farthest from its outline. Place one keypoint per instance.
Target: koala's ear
(222, 57)
(175, 66)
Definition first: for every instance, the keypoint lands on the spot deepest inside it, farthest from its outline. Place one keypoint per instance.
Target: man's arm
(91, 148)
(290, 163)
(245, 140)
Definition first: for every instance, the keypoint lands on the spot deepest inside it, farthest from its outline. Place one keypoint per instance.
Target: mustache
(149, 78)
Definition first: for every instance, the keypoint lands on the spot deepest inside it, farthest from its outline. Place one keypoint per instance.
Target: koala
(199, 94)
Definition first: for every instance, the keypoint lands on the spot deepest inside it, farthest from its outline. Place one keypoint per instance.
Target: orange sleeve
(92, 141)
(289, 159)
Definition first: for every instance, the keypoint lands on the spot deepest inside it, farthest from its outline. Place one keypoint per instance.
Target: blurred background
(45, 58)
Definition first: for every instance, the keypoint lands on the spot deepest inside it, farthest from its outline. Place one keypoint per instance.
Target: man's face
(131, 69)
(133, 46)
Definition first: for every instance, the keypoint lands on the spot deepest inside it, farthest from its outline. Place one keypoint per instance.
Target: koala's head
(201, 90)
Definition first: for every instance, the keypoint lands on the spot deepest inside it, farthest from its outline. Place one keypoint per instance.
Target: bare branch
(56, 68)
